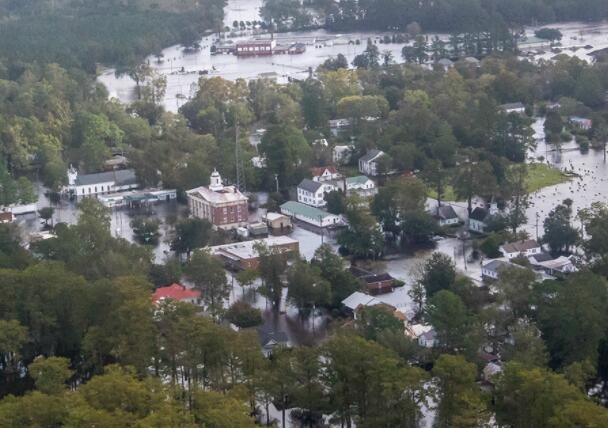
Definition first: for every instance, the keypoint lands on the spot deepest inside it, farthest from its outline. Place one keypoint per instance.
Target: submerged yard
(541, 175)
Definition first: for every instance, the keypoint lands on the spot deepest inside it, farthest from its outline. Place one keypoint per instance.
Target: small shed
(278, 224)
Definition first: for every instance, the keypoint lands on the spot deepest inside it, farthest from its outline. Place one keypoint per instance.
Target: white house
(479, 217)
(525, 248)
(369, 164)
(341, 154)
(310, 215)
(424, 334)
(446, 216)
(492, 269)
(519, 108)
(445, 63)
(339, 123)
(361, 185)
(581, 122)
(326, 173)
(555, 267)
(313, 192)
(258, 161)
(101, 182)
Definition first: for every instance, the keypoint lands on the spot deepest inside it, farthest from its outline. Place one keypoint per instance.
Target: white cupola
(72, 176)
(215, 181)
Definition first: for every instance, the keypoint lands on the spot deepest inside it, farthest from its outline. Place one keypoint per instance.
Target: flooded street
(67, 212)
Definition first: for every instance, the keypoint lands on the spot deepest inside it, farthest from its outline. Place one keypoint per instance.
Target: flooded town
(279, 213)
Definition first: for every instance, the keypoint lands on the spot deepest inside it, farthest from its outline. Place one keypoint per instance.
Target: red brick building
(255, 47)
(224, 206)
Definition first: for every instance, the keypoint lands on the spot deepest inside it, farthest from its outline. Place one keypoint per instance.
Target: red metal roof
(175, 292)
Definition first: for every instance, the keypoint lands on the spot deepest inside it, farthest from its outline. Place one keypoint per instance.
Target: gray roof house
(446, 63)
(368, 164)
(513, 108)
(269, 340)
(526, 248)
(447, 216)
(492, 269)
(313, 192)
(477, 219)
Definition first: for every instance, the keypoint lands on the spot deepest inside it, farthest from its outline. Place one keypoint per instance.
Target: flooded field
(184, 69)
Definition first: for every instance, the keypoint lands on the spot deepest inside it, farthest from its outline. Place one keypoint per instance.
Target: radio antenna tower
(240, 174)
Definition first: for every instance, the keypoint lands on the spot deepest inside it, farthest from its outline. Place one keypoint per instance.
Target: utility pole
(537, 217)
(321, 227)
(276, 179)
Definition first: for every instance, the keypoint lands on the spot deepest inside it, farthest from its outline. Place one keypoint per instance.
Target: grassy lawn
(539, 175)
(448, 194)
(542, 175)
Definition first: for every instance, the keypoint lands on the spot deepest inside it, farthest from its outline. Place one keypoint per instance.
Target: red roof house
(324, 173)
(176, 292)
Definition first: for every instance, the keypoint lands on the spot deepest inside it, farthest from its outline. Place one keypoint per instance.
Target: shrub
(490, 246)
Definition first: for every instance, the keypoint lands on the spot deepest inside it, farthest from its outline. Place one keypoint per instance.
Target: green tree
(331, 266)
(207, 274)
(374, 320)
(50, 374)
(272, 265)
(450, 319)
(13, 336)
(287, 153)
(460, 401)
(216, 410)
(526, 347)
(560, 234)
(306, 287)
(363, 238)
(531, 397)
(438, 273)
(515, 289)
(145, 230)
(336, 202)
(243, 315)
(473, 178)
(573, 322)
(582, 413)
(190, 234)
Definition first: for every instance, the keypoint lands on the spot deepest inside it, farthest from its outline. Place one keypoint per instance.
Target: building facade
(369, 163)
(244, 255)
(224, 206)
(310, 215)
(81, 185)
(313, 192)
(255, 47)
(327, 173)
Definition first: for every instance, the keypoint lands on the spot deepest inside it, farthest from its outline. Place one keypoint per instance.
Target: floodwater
(184, 69)
(590, 186)
(67, 212)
